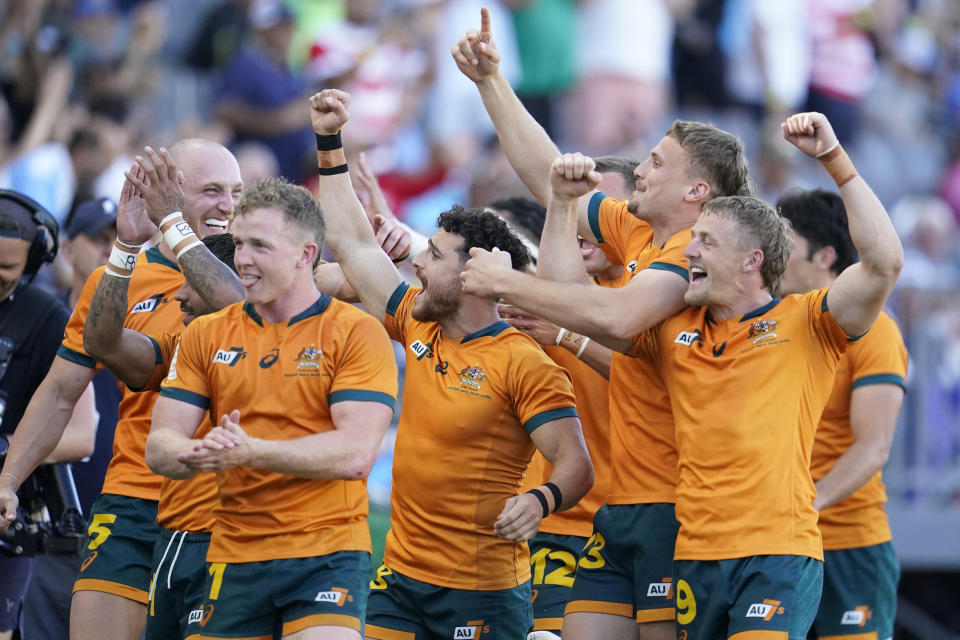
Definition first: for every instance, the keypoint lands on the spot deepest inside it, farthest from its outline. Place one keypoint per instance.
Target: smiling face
(662, 181)
(594, 260)
(212, 185)
(438, 269)
(269, 253)
(715, 260)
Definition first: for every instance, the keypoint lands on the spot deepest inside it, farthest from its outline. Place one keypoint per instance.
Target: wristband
(330, 157)
(188, 247)
(560, 336)
(838, 165)
(825, 152)
(122, 260)
(583, 345)
(177, 233)
(557, 496)
(543, 500)
(7, 473)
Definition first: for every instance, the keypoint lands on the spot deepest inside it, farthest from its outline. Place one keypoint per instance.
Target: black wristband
(543, 500)
(557, 496)
(329, 142)
(332, 171)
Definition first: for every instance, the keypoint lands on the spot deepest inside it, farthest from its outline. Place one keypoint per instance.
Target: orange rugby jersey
(747, 394)
(879, 357)
(283, 378)
(463, 445)
(643, 448)
(185, 505)
(151, 308)
(591, 391)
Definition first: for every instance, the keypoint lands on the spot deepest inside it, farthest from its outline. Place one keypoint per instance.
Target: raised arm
(572, 176)
(857, 295)
(346, 452)
(162, 194)
(527, 146)
(349, 234)
(128, 354)
(561, 443)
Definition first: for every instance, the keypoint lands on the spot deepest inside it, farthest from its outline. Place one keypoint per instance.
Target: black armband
(543, 500)
(329, 142)
(555, 490)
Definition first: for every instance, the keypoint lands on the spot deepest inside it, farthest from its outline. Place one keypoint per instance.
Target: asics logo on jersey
(229, 357)
(660, 589)
(421, 349)
(471, 631)
(857, 616)
(268, 360)
(150, 304)
(688, 337)
(766, 609)
(632, 266)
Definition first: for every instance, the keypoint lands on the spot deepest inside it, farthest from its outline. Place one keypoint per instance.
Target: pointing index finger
(485, 31)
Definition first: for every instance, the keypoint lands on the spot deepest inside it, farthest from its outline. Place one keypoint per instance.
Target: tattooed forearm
(108, 308)
(215, 281)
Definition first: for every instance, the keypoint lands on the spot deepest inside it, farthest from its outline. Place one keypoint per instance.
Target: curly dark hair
(221, 245)
(821, 219)
(486, 230)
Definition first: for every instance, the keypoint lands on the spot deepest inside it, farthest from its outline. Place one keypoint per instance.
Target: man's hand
(392, 237)
(225, 447)
(519, 519)
(810, 132)
(476, 54)
(134, 226)
(162, 191)
(482, 274)
(8, 505)
(545, 333)
(572, 175)
(329, 111)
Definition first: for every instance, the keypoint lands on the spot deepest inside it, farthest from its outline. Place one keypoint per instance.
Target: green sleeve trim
(663, 266)
(189, 397)
(158, 354)
(76, 357)
(396, 297)
(544, 417)
(360, 395)
(593, 214)
(880, 378)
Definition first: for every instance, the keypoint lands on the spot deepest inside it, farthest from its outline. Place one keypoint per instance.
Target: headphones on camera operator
(45, 244)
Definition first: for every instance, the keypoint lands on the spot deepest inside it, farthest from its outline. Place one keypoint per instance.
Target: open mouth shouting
(216, 225)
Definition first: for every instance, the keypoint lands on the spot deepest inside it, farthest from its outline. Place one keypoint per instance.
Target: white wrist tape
(122, 261)
(177, 233)
(825, 152)
(583, 345)
(560, 336)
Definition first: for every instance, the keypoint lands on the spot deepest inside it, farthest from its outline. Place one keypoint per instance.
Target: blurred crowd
(85, 84)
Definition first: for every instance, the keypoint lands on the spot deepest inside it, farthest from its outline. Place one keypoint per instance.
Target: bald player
(112, 588)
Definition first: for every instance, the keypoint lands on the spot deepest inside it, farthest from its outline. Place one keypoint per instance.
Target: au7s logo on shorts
(472, 631)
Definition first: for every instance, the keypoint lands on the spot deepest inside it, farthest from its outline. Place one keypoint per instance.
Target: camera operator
(31, 327)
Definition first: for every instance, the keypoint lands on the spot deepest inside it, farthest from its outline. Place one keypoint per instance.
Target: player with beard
(622, 587)
(748, 376)
(479, 396)
(112, 588)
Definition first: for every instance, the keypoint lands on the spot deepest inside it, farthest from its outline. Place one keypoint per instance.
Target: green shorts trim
(179, 583)
(767, 594)
(859, 593)
(626, 566)
(261, 599)
(401, 608)
(553, 565)
(118, 550)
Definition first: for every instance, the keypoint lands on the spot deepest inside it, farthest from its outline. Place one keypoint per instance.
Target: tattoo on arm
(215, 281)
(108, 308)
